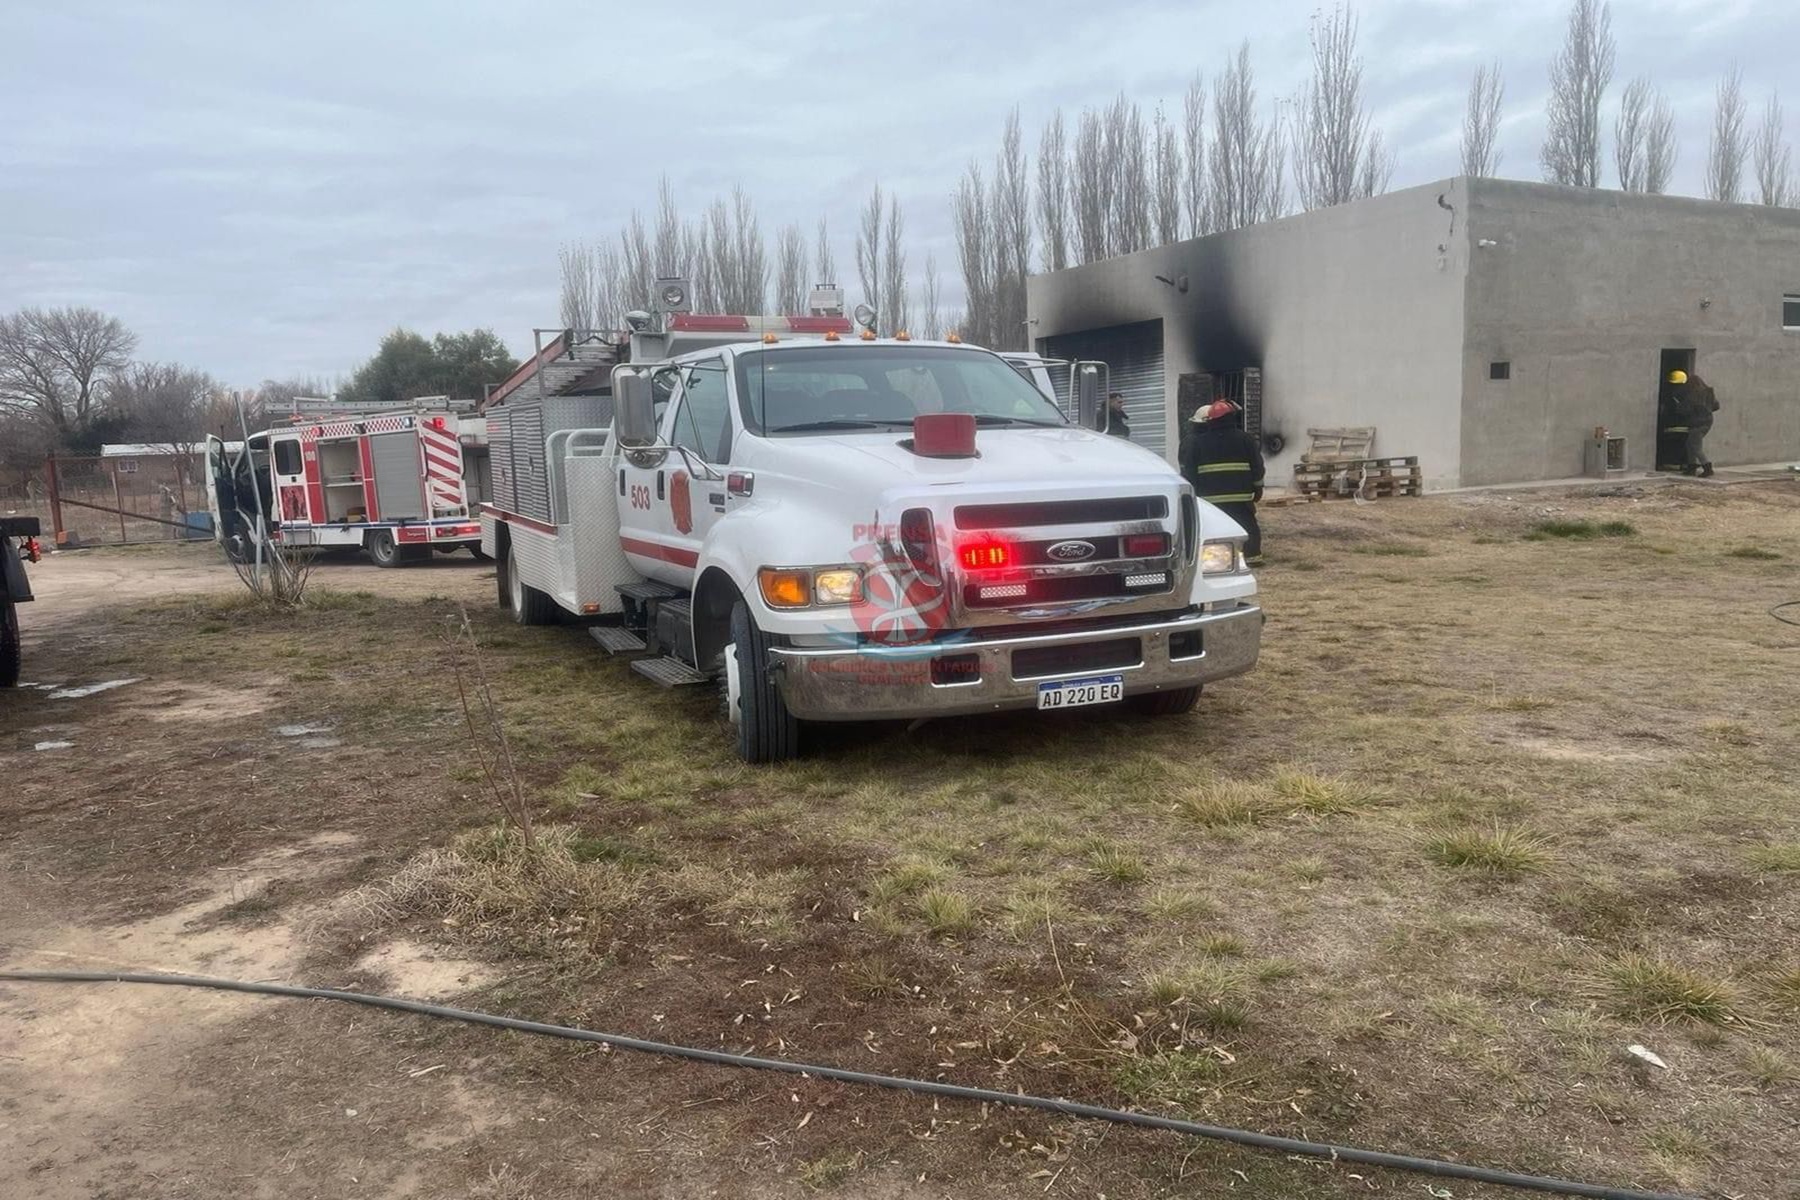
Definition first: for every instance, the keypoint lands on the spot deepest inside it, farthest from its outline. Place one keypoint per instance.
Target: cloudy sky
(262, 191)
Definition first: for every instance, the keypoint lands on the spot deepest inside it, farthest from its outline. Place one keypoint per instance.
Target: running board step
(615, 640)
(668, 671)
(647, 589)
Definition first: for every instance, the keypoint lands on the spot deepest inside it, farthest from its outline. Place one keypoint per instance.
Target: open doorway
(1671, 427)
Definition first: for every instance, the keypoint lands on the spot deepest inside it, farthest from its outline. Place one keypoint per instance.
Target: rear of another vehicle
(18, 546)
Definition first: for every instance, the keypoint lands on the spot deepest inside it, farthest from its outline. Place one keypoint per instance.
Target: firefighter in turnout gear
(1671, 422)
(1225, 466)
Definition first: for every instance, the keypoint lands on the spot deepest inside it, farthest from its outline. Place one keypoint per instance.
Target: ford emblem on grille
(1070, 551)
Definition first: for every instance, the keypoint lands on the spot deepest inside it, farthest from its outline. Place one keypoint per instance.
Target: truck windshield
(832, 388)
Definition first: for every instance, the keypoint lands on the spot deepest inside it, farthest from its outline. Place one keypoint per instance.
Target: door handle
(659, 485)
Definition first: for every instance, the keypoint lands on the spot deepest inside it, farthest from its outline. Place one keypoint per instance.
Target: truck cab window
(703, 421)
(287, 457)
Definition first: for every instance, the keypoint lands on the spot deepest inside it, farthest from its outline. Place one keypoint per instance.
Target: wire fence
(113, 500)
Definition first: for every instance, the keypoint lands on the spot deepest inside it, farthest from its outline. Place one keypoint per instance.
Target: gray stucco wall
(1354, 313)
(1582, 290)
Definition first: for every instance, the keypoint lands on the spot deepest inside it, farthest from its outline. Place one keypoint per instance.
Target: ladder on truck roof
(571, 361)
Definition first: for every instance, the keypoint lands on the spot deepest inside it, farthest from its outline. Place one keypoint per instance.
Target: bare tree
(824, 260)
(1726, 152)
(1091, 188)
(974, 240)
(670, 255)
(1579, 75)
(1128, 165)
(637, 271)
(1660, 149)
(1774, 158)
(592, 277)
(1193, 144)
(1168, 180)
(790, 270)
(931, 319)
(753, 258)
(1336, 157)
(1248, 183)
(697, 257)
(894, 296)
(1481, 123)
(1377, 166)
(1630, 131)
(163, 403)
(53, 362)
(1010, 201)
(576, 266)
(1053, 194)
(868, 250)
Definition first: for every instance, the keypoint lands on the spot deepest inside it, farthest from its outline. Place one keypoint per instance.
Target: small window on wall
(1790, 312)
(1500, 370)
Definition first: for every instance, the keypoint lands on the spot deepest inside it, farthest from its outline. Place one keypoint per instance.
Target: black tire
(1169, 703)
(766, 731)
(383, 549)
(527, 605)
(10, 658)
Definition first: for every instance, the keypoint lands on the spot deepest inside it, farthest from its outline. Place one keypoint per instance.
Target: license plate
(1073, 693)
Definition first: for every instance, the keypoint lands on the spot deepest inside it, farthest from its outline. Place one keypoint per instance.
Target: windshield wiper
(838, 423)
(990, 419)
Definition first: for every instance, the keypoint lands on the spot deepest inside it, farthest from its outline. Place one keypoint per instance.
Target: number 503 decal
(640, 495)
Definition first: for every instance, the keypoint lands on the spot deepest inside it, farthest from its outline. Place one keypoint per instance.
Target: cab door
(220, 496)
(701, 429)
(646, 524)
(287, 467)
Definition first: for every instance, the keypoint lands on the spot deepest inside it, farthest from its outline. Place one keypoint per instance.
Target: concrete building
(1484, 325)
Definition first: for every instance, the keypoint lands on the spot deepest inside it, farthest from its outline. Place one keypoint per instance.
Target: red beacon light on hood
(944, 435)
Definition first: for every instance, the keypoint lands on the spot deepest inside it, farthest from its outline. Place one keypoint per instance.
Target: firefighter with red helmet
(1225, 467)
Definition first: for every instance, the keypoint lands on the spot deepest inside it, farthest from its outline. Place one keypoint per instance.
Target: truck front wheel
(9, 644)
(1171, 703)
(766, 731)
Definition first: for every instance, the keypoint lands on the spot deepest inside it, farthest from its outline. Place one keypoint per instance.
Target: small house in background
(1491, 328)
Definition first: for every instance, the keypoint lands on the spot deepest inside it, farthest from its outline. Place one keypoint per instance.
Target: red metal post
(55, 490)
(119, 504)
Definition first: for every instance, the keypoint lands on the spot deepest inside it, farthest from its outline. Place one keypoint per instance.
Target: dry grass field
(1512, 790)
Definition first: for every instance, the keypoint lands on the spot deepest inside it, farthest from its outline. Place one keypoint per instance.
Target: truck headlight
(837, 585)
(1219, 558)
(804, 587)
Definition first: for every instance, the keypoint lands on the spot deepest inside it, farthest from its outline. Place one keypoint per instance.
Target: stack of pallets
(1370, 478)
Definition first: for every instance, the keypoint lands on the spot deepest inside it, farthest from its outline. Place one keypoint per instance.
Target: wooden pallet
(1371, 478)
(1350, 443)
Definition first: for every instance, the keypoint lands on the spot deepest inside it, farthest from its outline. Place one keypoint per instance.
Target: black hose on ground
(1241, 1137)
(1779, 608)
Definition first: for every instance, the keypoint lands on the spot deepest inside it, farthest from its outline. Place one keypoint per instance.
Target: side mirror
(634, 408)
(1090, 388)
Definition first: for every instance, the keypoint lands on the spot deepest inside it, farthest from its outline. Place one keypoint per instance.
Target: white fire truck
(832, 526)
(390, 483)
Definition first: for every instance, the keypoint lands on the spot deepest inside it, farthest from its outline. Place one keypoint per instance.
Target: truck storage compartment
(399, 475)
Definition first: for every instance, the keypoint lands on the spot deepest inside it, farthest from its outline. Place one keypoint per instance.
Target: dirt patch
(422, 972)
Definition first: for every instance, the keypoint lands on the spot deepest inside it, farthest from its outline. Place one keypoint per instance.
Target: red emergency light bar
(708, 323)
(819, 324)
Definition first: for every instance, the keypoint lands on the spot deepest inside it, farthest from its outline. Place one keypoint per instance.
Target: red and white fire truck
(828, 525)
(391, 483)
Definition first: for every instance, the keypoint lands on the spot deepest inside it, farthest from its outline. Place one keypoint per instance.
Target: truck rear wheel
(527, 605)
(1171, 703)
(9, 644)
(383, 549)
(766, 731)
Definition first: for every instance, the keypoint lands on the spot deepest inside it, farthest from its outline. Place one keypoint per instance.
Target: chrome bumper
(872, 683)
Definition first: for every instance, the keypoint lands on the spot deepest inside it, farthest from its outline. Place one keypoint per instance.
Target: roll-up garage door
(1134, 355)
